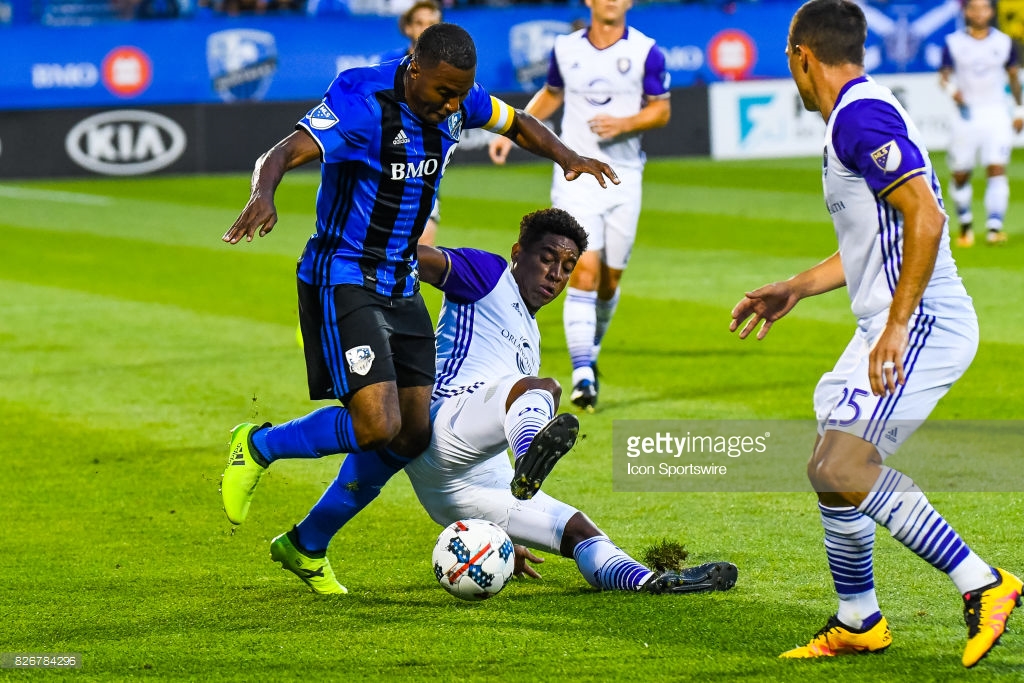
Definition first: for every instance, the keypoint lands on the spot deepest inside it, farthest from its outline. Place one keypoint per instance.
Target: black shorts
(354, 337)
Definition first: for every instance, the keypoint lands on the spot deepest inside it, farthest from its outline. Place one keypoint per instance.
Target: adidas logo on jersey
(401, 138)
(891, 435)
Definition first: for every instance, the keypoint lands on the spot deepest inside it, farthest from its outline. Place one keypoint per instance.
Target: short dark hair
(536, 225)
(834, 30)
(448, 43)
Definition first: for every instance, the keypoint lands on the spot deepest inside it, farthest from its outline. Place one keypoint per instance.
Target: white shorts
(466, 472)
(939, 351)
(985, 137)
(609, 215)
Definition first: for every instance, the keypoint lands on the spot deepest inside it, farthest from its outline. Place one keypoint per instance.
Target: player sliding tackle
(486, 399)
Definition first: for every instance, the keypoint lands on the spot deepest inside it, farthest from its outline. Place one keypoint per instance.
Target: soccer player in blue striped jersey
(384, 135)
(916, 335)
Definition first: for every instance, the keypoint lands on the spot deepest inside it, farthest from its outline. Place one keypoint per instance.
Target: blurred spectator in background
(976, 63)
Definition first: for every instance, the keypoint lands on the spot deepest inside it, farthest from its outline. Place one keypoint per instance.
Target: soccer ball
(473, 559)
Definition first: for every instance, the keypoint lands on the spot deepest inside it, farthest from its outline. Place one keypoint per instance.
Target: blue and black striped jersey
(381, 169)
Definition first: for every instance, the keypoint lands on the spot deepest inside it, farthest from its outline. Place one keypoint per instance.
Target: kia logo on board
(125, 142)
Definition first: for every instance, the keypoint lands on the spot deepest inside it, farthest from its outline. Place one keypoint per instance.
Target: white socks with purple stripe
(526, 416)
(897, 503)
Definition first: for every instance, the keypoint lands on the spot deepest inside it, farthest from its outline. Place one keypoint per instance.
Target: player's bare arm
(772, 301)
(922, 231)
(946, 83)
(260, 213)
(434, 264)
(535, 137)
(1013, 75)
(542, 106)
(655, 114)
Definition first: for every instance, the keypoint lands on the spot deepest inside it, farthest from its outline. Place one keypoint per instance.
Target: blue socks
(323, 432)
(361, 477)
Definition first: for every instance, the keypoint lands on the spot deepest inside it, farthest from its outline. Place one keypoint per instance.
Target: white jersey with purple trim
(979, 66)
(871, 148)
(484, 330)
(612, 81)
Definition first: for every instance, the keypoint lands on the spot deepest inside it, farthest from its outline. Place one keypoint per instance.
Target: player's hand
(260, 213)
(498, 149)
(1018, 125)
(768, 303)
(885, 363)
(606, 127)
(578, 165)
(521, 568)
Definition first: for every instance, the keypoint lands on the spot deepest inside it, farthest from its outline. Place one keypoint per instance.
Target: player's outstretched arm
(542, 106)
(534, 136)
(771, 302)
(260, 212)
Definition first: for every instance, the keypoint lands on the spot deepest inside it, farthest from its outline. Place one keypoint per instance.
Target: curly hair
(536, 225)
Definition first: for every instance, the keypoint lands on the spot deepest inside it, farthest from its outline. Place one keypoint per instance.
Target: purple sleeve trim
(1014, 58)
(656, 77)
(947, 57)
(554, 74)
(871, 139)
(472, 274)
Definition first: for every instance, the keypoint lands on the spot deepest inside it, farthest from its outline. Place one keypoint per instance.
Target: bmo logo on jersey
(426, 167)
(125, 142)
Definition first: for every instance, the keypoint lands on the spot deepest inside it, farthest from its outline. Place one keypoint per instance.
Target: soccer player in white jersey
(976, 64)
(488, 398)
(613, 82)
(916, 334)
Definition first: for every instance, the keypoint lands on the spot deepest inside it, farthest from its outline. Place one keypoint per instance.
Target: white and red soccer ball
(473, 559)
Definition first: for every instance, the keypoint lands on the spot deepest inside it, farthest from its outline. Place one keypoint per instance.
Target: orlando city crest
(623, 64)
(241, 62)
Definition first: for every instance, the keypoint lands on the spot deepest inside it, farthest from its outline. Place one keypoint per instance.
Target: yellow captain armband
(502, 116)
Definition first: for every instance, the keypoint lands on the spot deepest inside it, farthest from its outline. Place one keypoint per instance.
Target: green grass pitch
(132, 340)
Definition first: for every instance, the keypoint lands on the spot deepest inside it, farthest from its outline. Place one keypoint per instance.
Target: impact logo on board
(127, 71)
(529, 46)
(242, 63)
(125, 142)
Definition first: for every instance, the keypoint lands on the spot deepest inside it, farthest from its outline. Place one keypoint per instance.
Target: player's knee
(551, 385)
(412, 440)
(377, 430)
(829, 473)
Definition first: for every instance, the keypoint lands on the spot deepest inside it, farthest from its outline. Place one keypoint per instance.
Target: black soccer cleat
(712, 576)
(584, 395)
(554, 440)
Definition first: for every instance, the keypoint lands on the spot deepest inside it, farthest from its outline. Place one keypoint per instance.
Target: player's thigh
(474, 420)
(938, 353)
(412, 342)
(964, 145)
(998, 140)
(345, 340)
(620, 232)
(485, 494)
(584, 203)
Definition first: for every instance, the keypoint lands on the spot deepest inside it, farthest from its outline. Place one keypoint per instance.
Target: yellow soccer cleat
(242, 473)
(315, 571)
(839, 639)
(965, 240)
(986, 611)
(995, 237)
